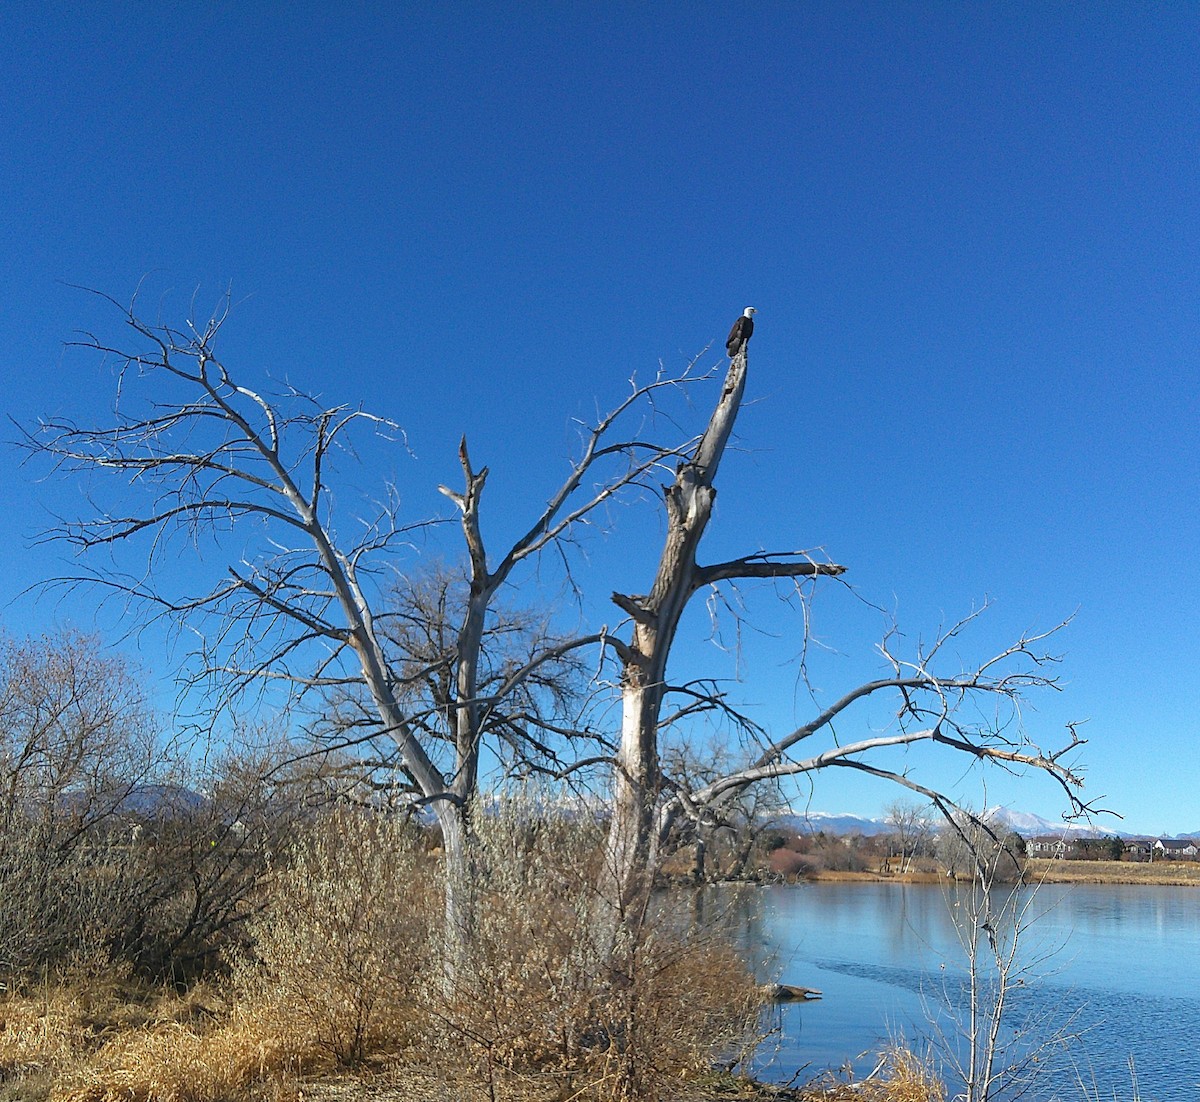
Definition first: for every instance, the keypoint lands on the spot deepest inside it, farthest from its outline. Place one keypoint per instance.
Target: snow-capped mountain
(1029, 825)
(813, 822)
(1022, 822)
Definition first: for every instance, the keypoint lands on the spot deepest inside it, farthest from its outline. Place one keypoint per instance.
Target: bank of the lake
(1042, 870)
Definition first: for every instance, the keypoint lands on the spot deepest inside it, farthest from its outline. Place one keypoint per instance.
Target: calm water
(1120, 963)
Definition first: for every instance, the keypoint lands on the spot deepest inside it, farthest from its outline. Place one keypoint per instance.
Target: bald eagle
(740, 333)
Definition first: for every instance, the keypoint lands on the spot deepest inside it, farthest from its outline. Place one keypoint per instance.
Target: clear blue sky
(972, 233)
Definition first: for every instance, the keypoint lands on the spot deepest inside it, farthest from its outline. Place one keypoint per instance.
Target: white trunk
(457, 886)
(633, 834)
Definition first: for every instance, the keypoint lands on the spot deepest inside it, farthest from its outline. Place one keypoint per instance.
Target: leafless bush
(205, 856)
(853, 853)
(112, 853)
(76, 734)
(350, 950)
(543, 993)
(61, 910)
(343, 947)
(527, 995)
(789, 864)
(76, 738)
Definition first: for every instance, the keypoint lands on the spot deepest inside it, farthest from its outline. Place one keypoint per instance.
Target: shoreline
(1044, 870)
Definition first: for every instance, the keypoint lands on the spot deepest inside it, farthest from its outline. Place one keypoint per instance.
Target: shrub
(343, 947)
(61, 910)
(348, 958)
(788, 863)
(546, 991)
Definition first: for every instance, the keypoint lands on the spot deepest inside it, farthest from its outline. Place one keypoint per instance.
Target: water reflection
(1119, 965)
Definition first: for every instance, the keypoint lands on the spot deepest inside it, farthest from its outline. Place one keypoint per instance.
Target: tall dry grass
(1165, 873)
(244, 1057)
(86, 1037)
(902, 1076)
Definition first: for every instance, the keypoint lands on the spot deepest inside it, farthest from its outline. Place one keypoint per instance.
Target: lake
(1117, 966)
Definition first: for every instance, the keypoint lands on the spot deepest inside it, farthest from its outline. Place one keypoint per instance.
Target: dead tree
(635, 830)
(929, 703)
(305, 611)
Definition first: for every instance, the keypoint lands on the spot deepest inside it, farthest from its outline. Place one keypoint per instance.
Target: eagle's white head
(749, 312)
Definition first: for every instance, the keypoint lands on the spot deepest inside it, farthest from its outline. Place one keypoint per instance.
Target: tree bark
(637, 781)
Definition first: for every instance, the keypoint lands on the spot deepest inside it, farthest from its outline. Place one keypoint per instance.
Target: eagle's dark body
(740, 333)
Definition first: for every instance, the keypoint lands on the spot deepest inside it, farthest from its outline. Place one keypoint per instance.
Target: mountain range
(1024, 823)
(151, 799)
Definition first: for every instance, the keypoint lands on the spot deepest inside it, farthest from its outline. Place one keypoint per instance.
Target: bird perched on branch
(740, 333)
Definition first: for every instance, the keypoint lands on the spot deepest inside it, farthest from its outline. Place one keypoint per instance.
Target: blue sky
(971, 233)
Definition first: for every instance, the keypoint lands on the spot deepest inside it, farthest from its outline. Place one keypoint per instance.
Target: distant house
(1049, 845)
(1139, 849)
(1179, 849)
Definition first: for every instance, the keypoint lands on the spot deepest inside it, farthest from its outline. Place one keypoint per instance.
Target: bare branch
(767, 565)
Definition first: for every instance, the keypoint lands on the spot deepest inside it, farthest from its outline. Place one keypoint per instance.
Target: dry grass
(119, 1041)
(43, 1032)
(1166, 873)
(902, 1076)
(120, 1044)
(848, 875)
(177, 1063)
(48, 1035)
(1054, 871)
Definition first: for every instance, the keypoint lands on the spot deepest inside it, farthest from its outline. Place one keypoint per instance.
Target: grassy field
(1171, 873)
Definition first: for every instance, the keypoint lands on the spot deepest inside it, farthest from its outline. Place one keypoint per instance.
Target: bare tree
(996, 1048)
(76, 740)
(975, 845)
(76, 734)
(911, 828)
(305, 609)
(931, 706)
(729, 830)
(530, 681)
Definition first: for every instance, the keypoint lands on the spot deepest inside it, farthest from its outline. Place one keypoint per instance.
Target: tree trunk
(633, 837)
(458, 887)
(743, 850)
(699, 855)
